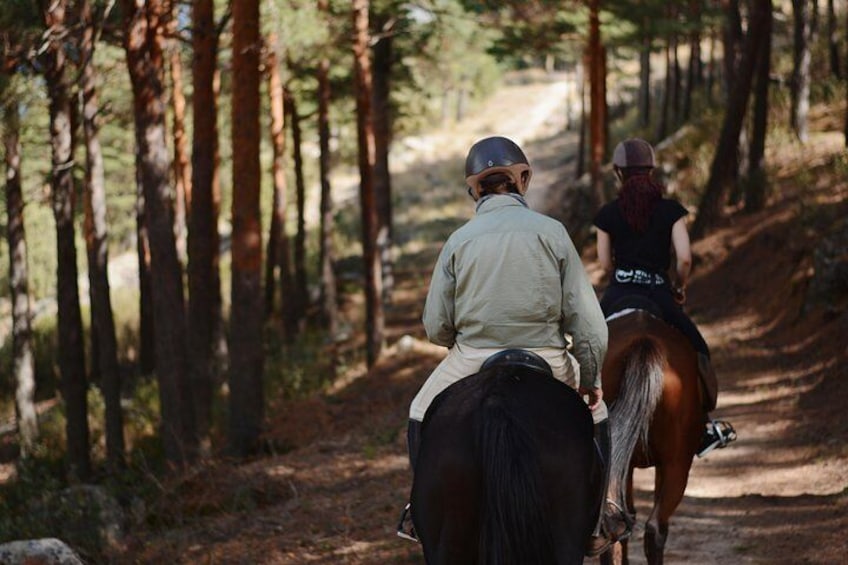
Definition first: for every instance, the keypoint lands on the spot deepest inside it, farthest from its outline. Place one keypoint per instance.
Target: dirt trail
(777, 495)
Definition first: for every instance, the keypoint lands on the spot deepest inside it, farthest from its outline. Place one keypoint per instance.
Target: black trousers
(663, 298)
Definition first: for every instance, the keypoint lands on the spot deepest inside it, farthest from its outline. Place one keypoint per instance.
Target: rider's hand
(679, 293)
(595, 396)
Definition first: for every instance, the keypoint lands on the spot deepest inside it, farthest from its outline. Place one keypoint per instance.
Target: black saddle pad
(520, 358)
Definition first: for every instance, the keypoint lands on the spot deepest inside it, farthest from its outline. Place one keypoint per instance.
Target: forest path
(779, 495)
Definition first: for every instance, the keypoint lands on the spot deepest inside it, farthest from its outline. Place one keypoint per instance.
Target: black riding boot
(405, 528)
(609, 529)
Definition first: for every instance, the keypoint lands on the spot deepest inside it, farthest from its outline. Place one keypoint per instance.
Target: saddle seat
(518, 358)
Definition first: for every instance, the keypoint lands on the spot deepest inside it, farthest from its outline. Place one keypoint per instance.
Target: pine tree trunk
(665, 107)
(580, 166)
(695, 71)
(383, 62)
(147, 341)
(96, 231)
(71, 347)
(833, 40)
(204, 277)
(732, 38)
(182, 164)
(144, 43)
(23, 361)
(755, 196)
(598, 106)
(327, 270)
(246, 314)
(645, 82)
(279, 252)
(800, 86)
(724, 166)
(374, 324)
(301, 295)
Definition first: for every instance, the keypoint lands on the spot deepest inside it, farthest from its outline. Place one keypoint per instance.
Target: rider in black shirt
(636, 234)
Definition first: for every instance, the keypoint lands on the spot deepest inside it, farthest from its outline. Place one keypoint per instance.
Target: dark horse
(507, 471)
(652, 386)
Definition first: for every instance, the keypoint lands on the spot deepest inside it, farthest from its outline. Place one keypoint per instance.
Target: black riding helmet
(497, 155)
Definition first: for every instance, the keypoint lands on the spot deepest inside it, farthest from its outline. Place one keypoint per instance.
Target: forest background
(222, 148)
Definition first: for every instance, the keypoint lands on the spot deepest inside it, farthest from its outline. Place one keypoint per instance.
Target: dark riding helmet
(634, 152)
(497, 155)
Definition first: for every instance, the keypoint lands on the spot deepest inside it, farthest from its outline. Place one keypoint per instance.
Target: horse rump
(507, 471)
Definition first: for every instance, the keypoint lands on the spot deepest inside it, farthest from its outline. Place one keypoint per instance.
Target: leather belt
(638, 276)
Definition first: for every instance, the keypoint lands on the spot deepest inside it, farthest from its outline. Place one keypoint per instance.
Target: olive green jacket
(511, 277)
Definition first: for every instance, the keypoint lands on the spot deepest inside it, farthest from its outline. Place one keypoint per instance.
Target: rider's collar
(512, 195)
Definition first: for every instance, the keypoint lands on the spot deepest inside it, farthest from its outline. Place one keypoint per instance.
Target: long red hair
(638, 196)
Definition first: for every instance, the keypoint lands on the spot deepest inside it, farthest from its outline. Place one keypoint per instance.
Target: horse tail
(630, 416)
(516, 527)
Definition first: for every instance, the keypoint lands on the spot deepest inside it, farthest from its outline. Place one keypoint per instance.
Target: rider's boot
(405, 528)
(613, 525)
(709, 381)
(717, 433)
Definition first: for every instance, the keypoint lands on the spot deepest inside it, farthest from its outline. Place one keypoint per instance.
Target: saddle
(519, 358)
(634, 302)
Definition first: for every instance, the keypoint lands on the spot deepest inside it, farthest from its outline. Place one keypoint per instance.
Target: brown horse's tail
(630, 415)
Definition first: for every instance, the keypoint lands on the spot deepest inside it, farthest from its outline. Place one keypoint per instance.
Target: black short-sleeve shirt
(651, 250)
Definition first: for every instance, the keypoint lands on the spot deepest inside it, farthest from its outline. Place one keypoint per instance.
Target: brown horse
(651, 383)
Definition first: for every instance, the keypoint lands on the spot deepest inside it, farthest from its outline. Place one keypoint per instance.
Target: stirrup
(405, 528)
(717, 435)
(614, 527)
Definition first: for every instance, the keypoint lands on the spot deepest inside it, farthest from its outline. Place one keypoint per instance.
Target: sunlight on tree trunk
(181, 163)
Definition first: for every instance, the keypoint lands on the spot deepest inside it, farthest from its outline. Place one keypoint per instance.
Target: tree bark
(301, 294)
(327, 269)
(800, 85)
(694, 74)
(724, 166)
(580, 166)
(833, 40)
(204, 276)
(598, 105)
(645, 81)
(665, 108)
(755, 195)
(147, 341)
(23, 361)
(374, 324)
(383, 62)
(96, 232)
(144, 43)
(181, 163)
(278, 260)
(246, 317)
(732, 40)
(71, 346)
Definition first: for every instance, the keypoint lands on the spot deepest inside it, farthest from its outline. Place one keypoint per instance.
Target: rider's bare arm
(604, 251)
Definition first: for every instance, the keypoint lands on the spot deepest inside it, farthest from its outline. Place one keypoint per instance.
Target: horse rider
(512, 278)
(636, 234)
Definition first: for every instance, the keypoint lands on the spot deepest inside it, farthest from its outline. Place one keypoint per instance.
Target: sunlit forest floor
(777, 495)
